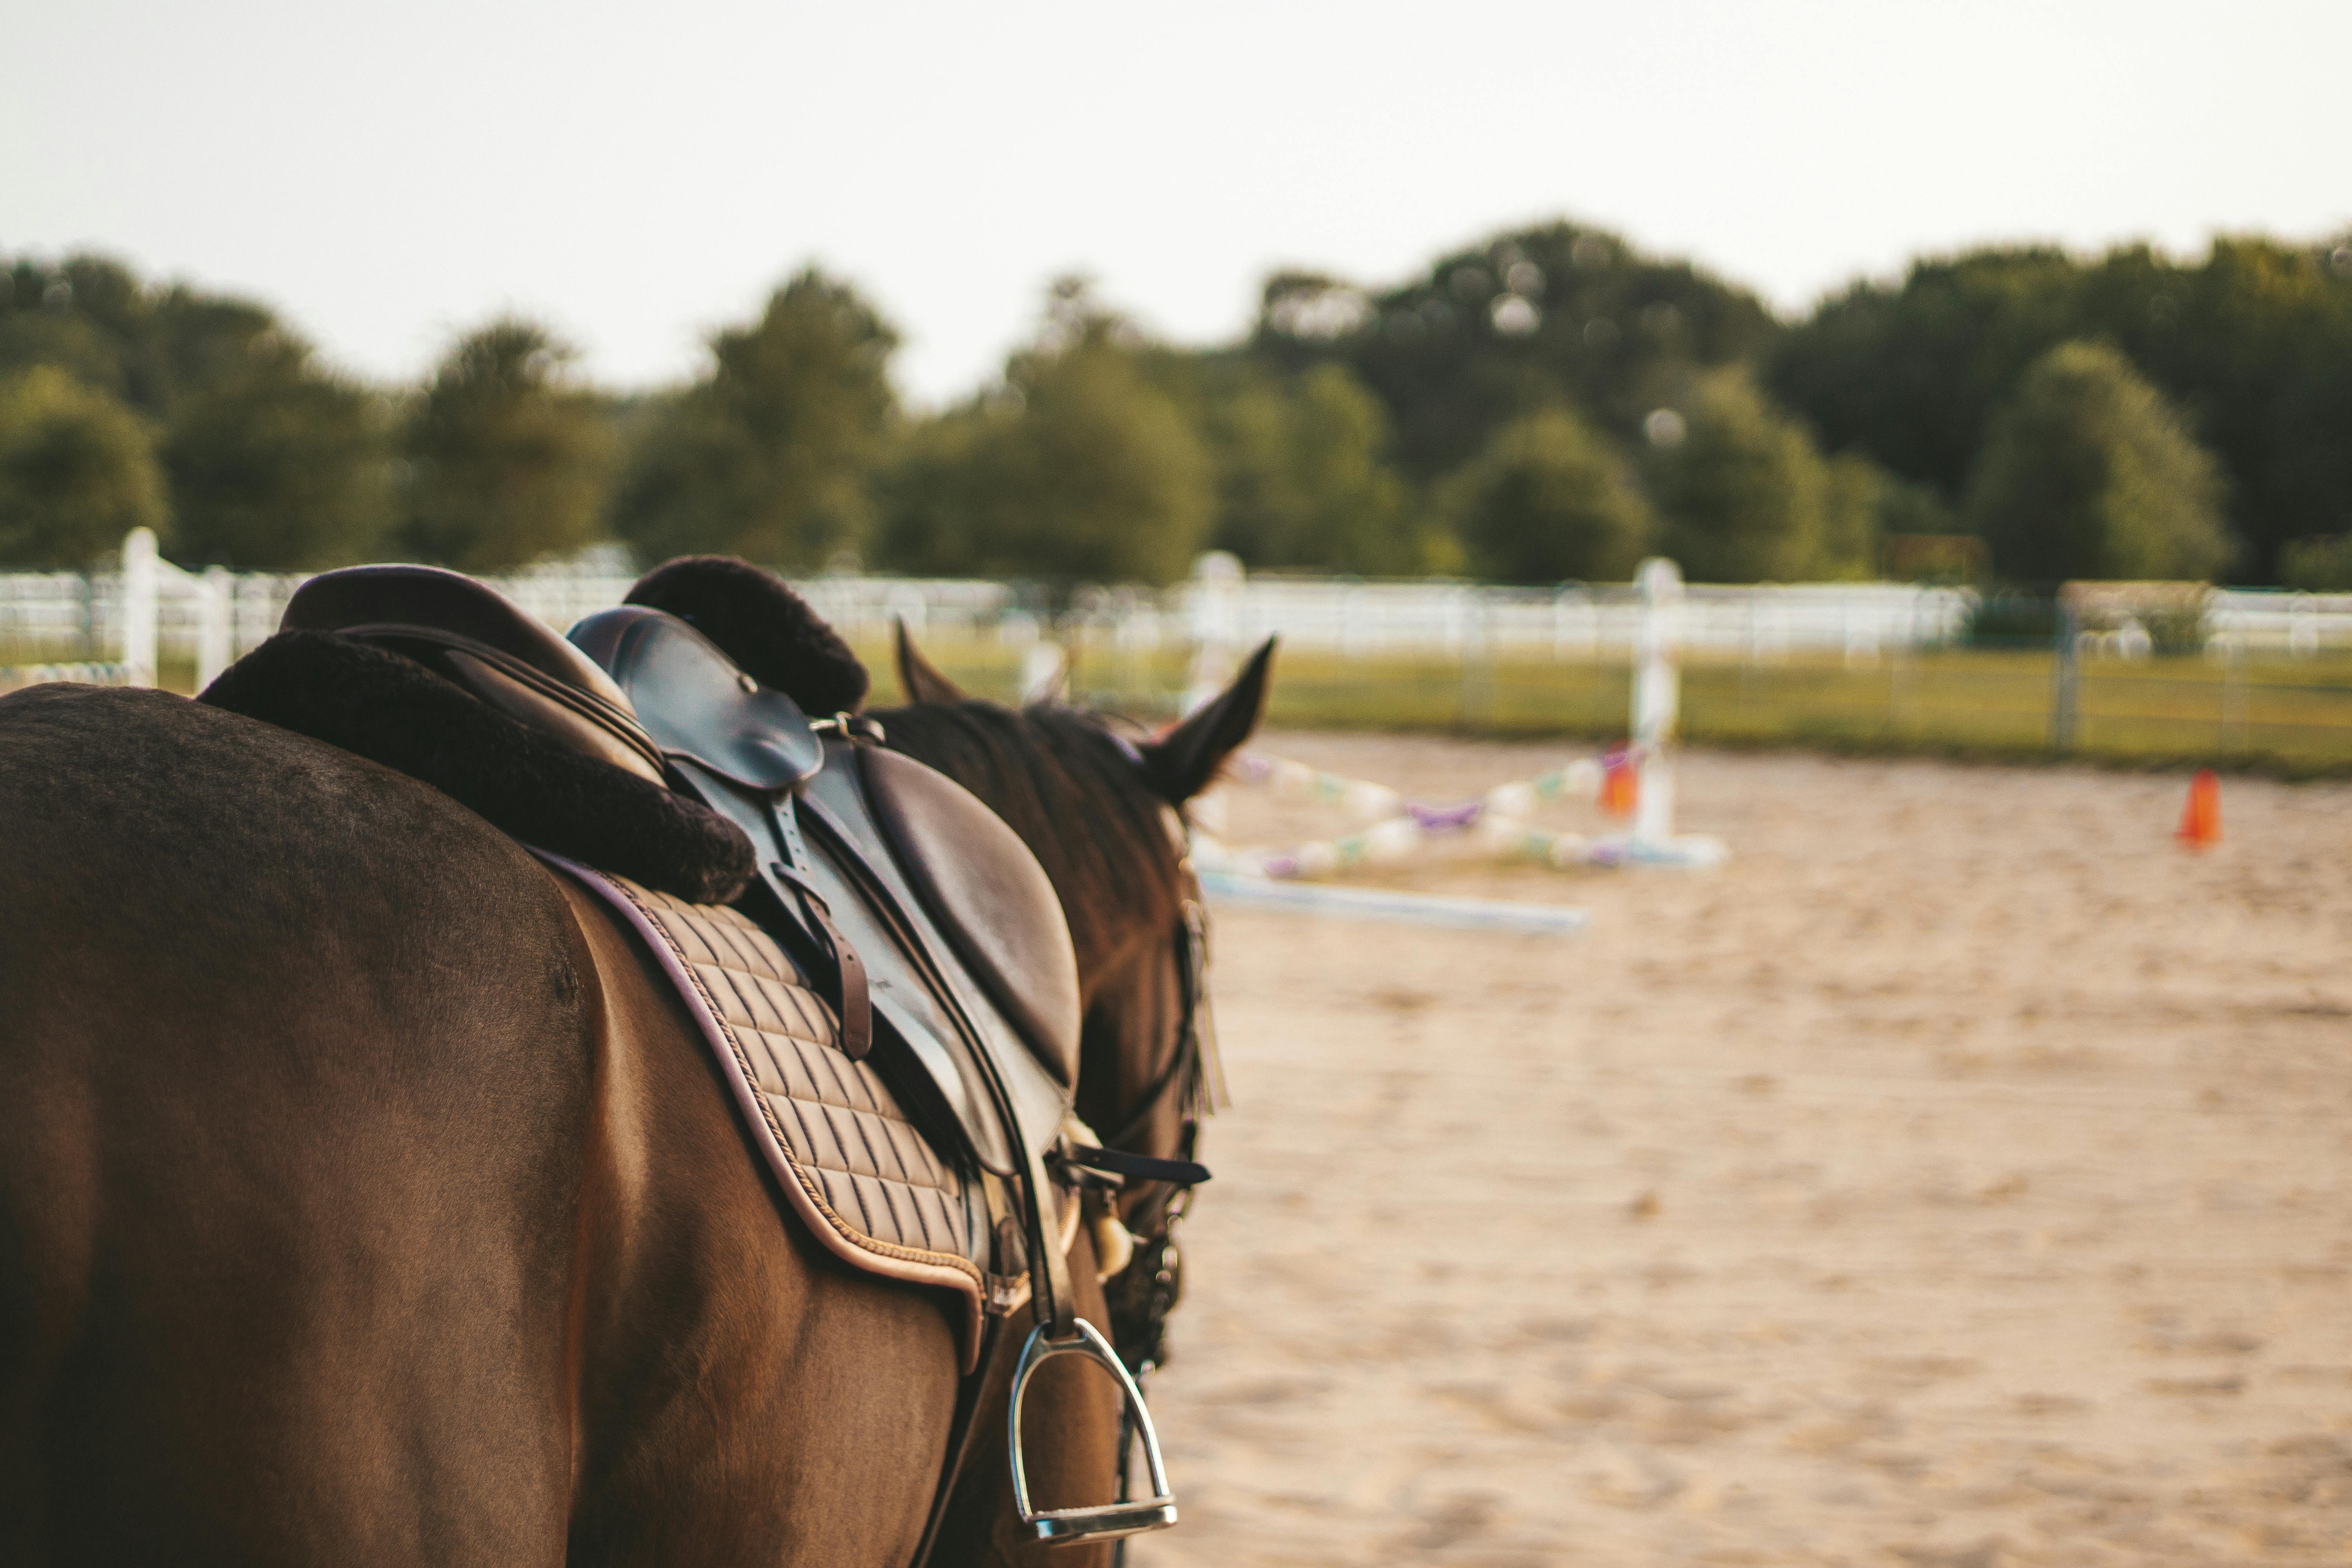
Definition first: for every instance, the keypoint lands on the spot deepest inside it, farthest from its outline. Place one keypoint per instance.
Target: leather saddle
(901, 897)
(882, 887)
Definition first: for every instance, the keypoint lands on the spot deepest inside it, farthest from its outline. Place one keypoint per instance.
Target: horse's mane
(1069, 784)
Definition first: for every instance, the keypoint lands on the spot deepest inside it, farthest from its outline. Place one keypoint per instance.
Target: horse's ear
(1181, 763)
(917, 678)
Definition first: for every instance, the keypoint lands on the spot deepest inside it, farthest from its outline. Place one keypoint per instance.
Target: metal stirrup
(1102, 1522)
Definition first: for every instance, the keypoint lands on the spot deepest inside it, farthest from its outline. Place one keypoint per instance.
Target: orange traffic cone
(2200, 819)
(1620, 783)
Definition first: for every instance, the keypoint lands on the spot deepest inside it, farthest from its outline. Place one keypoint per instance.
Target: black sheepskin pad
(393, 711)
(766, 628)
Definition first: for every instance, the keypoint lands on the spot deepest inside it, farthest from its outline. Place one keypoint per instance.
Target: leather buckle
(851, 727)
(1098, 1521)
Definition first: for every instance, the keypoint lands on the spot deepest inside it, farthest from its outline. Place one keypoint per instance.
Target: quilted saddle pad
(850, 1164)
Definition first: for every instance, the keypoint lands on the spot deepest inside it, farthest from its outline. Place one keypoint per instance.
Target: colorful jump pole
(1226, 887)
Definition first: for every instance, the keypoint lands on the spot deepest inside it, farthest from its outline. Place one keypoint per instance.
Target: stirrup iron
(1101, 1521)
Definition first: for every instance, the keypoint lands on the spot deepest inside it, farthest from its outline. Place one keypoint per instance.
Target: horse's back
(295, 1057)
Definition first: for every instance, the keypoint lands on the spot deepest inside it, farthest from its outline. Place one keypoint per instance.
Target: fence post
(141, 601)
(215, 626)
(1477, 698)
(1045, 670)
(1216, 616)
(2234, 694)
(1657, 696)
(2065, 677)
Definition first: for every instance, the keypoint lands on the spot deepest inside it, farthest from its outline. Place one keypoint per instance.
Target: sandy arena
(1956, 1179)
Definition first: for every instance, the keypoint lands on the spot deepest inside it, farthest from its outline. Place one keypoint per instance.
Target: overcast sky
(388, 175)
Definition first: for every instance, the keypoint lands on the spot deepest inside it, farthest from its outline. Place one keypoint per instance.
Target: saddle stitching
(870, 1242)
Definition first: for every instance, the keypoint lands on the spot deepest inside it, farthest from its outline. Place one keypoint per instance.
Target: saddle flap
(988, 897)
(695, 704)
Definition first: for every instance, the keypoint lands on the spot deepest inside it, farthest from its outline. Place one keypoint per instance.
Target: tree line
(1547, 405)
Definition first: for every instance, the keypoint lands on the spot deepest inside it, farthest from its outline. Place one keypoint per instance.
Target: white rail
(2276, 621)
(213, 616)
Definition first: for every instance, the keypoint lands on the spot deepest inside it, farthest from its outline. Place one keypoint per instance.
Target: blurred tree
(1537, 318)
(61, 341)
(76, 471)
(505, 461)
(45, 321)
(772, 455)
(1077, 471)
(932, 497)
(270, 460)
(148, 347)
(2087, 472)
(1549, 501)
(1910, 375)
(1905, 507)
(196, 342)
(1744, 496)
(1866, 507)
(2321, 565)
(1302, 473)
(276, 464)
(1856, 496)
(2254, 345)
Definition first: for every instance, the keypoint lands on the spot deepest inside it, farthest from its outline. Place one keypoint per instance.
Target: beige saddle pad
(849, 1163)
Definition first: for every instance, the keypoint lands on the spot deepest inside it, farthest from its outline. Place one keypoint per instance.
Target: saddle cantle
(483, 641)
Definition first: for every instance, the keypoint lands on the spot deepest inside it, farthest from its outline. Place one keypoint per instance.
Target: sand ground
(1957, 1177)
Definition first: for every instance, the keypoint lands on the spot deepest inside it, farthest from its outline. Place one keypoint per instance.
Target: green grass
(2290, 717)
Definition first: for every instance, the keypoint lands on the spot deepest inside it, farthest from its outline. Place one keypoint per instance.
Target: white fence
(2276, 621)
(69, 615)
(1584, 621)
(57, 617)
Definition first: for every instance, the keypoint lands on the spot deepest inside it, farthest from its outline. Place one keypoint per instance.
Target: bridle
(1144, 1293)
(1152, 1280)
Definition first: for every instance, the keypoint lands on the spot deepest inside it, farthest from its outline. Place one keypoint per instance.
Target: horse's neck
(1133, 1023)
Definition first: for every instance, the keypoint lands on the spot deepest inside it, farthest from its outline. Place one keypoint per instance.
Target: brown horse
(366, 1197)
